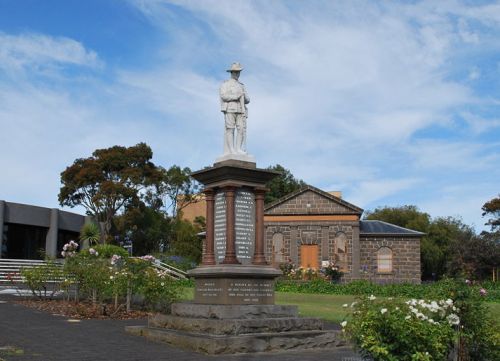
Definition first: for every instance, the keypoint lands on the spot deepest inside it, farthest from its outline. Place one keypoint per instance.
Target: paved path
(45, 337)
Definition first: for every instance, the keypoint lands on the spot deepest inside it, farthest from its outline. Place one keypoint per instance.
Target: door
(309, 256)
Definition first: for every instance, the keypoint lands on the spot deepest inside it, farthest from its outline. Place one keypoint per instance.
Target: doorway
(309, 256)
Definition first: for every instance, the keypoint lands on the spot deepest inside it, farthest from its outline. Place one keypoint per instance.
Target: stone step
(247, 343)
(223, 312)
(234, 326)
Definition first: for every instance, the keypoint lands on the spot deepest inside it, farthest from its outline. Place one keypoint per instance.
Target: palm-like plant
(90, 233)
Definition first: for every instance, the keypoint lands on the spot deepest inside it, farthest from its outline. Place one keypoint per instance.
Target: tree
(186, 242)
(178, 188)
(148, 228)
(438, 245)
(403, 216)
(108, 181)
(474, 257)
(492, 209)
(282, 185)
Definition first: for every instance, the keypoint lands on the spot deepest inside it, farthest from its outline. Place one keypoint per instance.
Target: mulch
(83, 310)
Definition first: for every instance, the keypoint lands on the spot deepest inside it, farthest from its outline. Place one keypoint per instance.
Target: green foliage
(449, 247)
(108, 250)
(180, 262)
(479, 333)
(492, 209)
(178, 187)
(185, 240)
(108, 181)
(100, 278)
(435, 290)
(405, 216)
(147, 227)
(90, 233)
(43, 280)
(159, 290)
(393, 330)
(282, 184)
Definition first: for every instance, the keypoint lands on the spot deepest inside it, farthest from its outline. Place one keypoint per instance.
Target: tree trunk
(129, 295)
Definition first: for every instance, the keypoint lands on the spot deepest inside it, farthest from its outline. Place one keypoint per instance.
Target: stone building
(311, 227)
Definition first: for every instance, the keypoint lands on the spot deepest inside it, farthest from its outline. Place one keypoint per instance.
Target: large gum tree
(108, 181)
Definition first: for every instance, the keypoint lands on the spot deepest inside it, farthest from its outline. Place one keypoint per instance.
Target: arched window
(341, 250)
(384, 260)
(278, 248)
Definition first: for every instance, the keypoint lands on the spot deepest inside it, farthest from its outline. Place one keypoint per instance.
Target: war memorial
(233, 310)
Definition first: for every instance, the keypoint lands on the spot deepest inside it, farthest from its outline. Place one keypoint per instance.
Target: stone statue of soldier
(233, 98)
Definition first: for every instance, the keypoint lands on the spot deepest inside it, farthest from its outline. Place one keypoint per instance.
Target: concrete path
(40, 336)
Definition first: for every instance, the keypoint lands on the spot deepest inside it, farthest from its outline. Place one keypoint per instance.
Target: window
(341, 251)
(278, 249)
(384, 260)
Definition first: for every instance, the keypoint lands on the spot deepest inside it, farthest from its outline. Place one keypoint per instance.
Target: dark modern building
(30, 232)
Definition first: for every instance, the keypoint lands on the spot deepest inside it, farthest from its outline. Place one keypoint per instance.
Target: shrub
(393, 330)
(436, 290)
(180, 262)
(43, 280)
(159, 290)
(108, 250)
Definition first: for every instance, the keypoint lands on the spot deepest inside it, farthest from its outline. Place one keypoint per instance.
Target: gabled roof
(351, 207)
(369, 227)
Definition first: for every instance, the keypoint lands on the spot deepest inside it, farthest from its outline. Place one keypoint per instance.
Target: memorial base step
(243, 343)
(234, 326)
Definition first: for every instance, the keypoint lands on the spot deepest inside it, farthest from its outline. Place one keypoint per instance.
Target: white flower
(343, 324)
(449, 302)
(345, 305)
(354, 304)
(421, 316)
(372, 297)
(163, 284)
(111, 277)
(397, 308)
(407, 317)
(453, 319)
(383, 310)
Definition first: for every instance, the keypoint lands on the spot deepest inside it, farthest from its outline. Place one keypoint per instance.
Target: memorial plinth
(234, 268)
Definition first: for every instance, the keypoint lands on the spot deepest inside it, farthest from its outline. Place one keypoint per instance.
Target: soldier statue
(233, 98)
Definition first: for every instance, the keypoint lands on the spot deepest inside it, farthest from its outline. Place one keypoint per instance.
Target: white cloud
(33, 50)
(350, 96)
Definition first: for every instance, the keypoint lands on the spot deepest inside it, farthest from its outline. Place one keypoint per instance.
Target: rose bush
(394, 330)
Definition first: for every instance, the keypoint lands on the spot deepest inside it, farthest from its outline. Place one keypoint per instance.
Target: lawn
(327, 307)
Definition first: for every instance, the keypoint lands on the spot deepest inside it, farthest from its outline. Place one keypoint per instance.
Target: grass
(326, 307)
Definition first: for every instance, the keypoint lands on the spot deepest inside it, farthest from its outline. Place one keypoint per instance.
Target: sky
(391, 102)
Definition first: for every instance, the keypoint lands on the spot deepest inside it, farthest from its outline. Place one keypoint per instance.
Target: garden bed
(82, 310)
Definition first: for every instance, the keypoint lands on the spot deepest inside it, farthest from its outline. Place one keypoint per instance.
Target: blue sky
(391, 103)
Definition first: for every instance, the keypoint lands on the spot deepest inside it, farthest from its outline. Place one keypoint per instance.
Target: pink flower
(115, 259)
(483, 292)
(468, 282)
(148, 258)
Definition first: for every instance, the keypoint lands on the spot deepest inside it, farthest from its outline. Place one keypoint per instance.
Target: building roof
(354, 209)
(369, 227)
